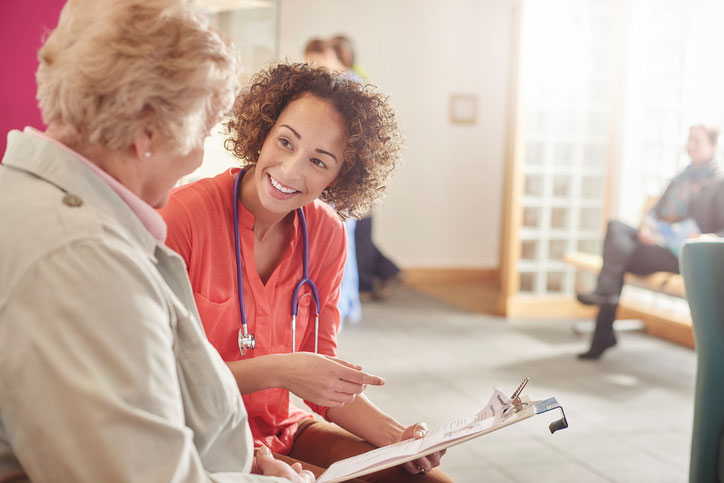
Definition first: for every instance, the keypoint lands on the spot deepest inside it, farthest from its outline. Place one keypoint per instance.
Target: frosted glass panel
(590, 218)
(596, 123)
(562, 186)
(563, 155)
(559, 218)
(534, 185)
(534, 154)
(589, 246)
(529, 249)
(592, 187)
(527, 282)
(557, 249)
(566, 76)
(531, 217)
(555, 282)
(594, 155)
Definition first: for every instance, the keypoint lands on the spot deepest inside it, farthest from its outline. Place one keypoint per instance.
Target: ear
(143, 142)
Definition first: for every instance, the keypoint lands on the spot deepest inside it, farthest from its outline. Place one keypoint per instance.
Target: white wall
(443, 208)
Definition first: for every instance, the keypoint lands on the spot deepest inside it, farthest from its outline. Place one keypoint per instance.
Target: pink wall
(22, 29)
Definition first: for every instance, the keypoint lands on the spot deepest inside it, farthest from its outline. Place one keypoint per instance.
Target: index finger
(344, 363)
(360, 377)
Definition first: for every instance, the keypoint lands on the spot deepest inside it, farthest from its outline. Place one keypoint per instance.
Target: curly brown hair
(374, 142)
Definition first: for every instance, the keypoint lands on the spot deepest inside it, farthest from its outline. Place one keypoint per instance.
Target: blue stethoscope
(246, 340)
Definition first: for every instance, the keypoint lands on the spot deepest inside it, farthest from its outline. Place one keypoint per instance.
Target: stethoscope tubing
(305, 280)
(237, 241)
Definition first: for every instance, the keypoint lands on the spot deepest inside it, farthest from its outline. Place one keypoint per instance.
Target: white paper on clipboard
(497, 414)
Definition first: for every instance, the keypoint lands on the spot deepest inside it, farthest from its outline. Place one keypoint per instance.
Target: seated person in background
(707, 209)
(308, 140)
(105, 373)
(654, 246)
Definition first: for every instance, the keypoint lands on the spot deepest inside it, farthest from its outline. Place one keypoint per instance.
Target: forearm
(259, 373)
(367, 421)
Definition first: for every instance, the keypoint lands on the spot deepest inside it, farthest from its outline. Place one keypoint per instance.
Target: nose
(292, 166)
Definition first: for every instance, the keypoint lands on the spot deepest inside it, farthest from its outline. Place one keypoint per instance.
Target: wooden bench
(658, 322)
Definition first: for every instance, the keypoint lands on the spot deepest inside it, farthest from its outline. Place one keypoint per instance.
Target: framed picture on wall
(463, 109)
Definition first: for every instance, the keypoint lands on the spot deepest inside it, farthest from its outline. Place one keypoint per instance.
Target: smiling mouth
(280, 187)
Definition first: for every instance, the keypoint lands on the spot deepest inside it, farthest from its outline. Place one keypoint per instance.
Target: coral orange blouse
(200, 229)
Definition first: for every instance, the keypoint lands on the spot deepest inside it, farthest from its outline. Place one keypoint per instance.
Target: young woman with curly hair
(308, 140)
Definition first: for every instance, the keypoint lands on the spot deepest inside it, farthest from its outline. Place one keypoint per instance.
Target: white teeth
(279, 187)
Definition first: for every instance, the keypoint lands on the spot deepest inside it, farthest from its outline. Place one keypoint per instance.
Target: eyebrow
(299, 136)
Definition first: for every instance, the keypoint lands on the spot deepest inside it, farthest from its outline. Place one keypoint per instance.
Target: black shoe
(594, 298)
(385, 288)
(597, 349)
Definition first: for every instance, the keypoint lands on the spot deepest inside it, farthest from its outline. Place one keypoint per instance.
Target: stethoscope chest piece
(246, 341)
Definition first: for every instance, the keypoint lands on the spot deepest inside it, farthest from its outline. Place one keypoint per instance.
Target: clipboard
(505, 412)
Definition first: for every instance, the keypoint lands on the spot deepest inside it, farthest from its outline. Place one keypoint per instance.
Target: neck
(701, 164)
(265, 222)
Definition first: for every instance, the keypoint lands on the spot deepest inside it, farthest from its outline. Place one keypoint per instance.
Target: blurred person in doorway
(319, 53)
(378, 275)
(684, 210)
(344, 49)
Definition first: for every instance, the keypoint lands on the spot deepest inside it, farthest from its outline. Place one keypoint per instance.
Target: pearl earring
(147, 154)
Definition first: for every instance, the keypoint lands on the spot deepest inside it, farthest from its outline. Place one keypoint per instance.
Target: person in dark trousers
(378, 275)
(685, 205)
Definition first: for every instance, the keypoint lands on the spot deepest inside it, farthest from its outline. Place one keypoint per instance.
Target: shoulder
(42, 216)
(54, 231)
(327, 236)
(206, 191)
(322, 218)
(202, 200)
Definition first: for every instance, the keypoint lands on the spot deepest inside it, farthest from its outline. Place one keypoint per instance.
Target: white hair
(112, 65)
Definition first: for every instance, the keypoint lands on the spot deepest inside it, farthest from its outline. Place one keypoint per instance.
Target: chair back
(702, 265)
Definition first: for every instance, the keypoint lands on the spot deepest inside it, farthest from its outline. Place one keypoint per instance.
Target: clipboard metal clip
(515, 398)
(551, 404)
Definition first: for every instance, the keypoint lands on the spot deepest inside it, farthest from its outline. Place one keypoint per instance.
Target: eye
(285, 142)
(318, 162)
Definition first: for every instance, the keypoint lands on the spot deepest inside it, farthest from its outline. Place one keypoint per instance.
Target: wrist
(390, 433)
(281, 370)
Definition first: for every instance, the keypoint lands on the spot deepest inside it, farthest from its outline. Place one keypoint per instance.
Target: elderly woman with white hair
(105, 372)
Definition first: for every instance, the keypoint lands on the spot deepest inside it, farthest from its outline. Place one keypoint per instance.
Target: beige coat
(105, 372)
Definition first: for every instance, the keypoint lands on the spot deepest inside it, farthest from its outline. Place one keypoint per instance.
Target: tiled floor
(630, 414)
